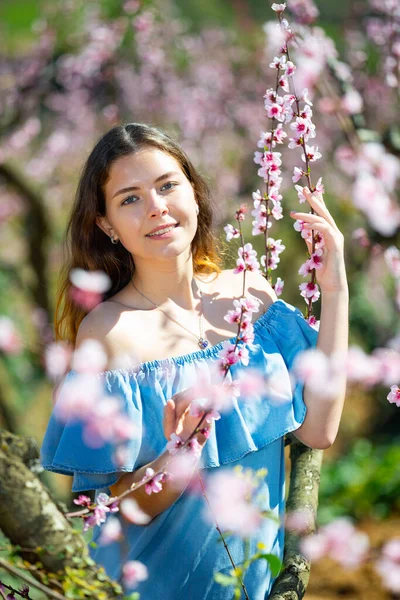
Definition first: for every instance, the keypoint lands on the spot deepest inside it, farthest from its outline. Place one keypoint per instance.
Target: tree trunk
(306, 463)
(32, 519)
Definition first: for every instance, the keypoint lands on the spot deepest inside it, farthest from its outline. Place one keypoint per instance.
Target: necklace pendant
(202, 343)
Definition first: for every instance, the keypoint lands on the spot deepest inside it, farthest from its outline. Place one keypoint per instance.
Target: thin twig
(32, 582)
(223, 539)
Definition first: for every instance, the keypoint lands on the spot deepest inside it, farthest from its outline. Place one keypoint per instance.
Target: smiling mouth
(162, 231)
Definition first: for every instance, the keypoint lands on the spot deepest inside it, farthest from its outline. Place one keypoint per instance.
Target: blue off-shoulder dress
(180, 547)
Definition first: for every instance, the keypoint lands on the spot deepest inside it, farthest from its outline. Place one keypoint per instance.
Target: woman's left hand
(331, 276)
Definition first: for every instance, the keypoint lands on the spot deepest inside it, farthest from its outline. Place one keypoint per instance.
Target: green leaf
(275, 564)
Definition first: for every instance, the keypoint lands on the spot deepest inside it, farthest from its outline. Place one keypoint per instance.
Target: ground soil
(331, 582)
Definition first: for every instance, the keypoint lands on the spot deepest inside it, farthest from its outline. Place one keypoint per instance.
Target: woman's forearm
(155, 503)
(324, 410)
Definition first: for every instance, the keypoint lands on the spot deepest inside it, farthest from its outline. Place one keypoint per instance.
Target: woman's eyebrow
(133, 188)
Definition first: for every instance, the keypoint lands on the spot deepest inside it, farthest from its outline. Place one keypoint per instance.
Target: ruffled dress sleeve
(79, 445)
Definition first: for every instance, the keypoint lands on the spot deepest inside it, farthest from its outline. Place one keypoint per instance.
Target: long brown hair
(88, 247)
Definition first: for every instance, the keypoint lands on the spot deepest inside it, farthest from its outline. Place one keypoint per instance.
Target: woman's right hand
(178, 420)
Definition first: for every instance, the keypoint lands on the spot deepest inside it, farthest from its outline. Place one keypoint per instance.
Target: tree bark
(291, 583)
(32, 519)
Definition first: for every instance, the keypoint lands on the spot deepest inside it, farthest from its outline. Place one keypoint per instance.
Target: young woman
(143, 214)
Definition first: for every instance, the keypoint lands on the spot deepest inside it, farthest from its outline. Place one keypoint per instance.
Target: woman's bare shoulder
(104, 324)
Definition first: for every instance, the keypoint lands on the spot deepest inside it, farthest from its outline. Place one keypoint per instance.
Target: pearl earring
(197, 209)
(114, 241)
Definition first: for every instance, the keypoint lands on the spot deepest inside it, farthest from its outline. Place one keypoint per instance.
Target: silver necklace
(203, 343)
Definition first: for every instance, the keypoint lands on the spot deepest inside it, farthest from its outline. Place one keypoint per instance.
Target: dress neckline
(192, 357)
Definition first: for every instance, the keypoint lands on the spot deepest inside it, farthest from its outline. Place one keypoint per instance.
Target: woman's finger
(317, 203)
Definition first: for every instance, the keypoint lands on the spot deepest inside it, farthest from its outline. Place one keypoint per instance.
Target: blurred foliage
(364, 483)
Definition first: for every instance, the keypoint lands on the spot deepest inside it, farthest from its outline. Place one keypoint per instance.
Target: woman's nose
(157, 204)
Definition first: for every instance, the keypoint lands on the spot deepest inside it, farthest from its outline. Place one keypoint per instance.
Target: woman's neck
(161, 283)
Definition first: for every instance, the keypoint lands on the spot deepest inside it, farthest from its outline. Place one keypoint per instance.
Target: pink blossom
(57, 359)
(107, 424)
(194, 448)
(316, 259)
(110, 532)
(290, 68)
(300, 194)
(389, 365)
(309, 290)
(154, 485)
(83, 501)
(283, 83)
(182, 469)
(88, 286)
(362, 368)
(312, 153)
(278, 7)
(174, 444)
(394, 395)
(10, 341)
(278, 286)
(133, 572)
(91, 281)
(388, 565)
(297, 174)
(251, 384)
(98, 516)
(231, 232)
(340, 541)
(392, 258)
(230, 355)
(299, 521)
(277, 210)
(279, 62)
(230, 500)
(305, 98)
(133, 513)
(77, 398)
(320, 186)
(321, 373)
(305, 11)
(352, 102)
(90, 357)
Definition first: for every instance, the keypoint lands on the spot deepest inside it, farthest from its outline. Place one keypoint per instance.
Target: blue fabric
(179, 548)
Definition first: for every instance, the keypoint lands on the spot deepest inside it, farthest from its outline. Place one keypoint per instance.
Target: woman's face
(148, 191)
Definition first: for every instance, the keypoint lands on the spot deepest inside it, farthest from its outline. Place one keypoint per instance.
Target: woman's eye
(126, 201)
(168, 186)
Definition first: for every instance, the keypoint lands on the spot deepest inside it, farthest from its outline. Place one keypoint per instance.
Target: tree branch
(306, 463)
(37, 229)
(30, 518)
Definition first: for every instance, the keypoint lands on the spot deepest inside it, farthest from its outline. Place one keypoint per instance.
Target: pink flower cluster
(338, 540)
(384, 31)
(153, 481)
(233, 503)
(88, 287)
(133, 572)
(82, 399)
(10, 340)
(99, 510)
(247, 260)
(176, 443)
(242, 316)
(388, 565)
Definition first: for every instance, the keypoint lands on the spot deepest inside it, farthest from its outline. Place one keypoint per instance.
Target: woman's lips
(165, 232)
